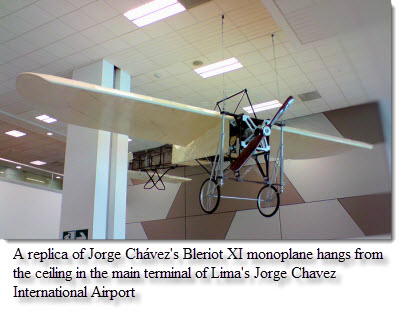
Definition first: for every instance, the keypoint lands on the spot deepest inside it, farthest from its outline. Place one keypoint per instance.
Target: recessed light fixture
(129, 140)
(219, 68)
(154, 11)
(37, 162)
(15, 133)
(46, 118)
(18, 167)
(50, 134)
(263, 106)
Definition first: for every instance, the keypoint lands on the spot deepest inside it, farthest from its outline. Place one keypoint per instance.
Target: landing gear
(210, 194)
(268, 201)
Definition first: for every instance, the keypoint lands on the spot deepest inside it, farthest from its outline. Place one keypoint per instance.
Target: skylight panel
(15, 133)
(37, 162)
(154, 11)
(219, 68)
(263, 106)
(46, 118)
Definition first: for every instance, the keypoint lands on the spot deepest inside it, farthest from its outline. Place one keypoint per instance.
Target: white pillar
(95, 172)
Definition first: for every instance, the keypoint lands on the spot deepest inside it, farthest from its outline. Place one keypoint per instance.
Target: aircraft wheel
(268, 201)
(209, 196)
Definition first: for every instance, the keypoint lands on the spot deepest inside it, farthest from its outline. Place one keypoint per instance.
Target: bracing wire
(223, 57)
(276, 70)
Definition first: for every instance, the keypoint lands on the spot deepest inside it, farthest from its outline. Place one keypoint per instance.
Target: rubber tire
(277, 201)
(218, 198)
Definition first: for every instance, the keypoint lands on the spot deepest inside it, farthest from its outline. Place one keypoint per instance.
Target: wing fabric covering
(137, 116)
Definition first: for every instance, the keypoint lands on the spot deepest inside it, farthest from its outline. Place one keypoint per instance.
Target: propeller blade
(246, 153)
(252, 146)
(283, 108)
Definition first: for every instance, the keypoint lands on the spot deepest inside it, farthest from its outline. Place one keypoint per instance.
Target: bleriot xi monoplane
(225, 140)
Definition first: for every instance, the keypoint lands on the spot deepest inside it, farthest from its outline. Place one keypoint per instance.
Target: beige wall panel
(135, 231)
(166, 229)
(318, 220)
(149, 204)
(251, 225)
(354, 173)
(208, 227)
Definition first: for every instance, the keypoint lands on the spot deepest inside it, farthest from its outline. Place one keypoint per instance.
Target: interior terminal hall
(196, 119)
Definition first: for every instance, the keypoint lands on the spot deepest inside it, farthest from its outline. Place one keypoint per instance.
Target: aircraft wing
(304, 144)
(97, 107)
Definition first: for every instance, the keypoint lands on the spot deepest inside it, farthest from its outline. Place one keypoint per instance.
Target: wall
(28, 212)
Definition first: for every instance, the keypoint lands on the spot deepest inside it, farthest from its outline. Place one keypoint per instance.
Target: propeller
(260, 134)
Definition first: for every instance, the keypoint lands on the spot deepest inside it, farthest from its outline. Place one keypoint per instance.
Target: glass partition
(30, 174)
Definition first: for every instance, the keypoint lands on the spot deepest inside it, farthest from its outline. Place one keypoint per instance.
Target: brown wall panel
(208, 227)
(372, 213)
(165, 229)
(360, 122)
(178, 206)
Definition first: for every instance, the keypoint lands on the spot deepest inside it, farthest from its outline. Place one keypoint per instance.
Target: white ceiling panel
(158, 29)
(5, 34)
(119, 25)
(98, 34)
(206, 11)
(181, 20)
(78, 20)
(99, 11)
(55, 8)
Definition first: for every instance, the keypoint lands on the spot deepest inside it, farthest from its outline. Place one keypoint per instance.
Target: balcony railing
(29, 174)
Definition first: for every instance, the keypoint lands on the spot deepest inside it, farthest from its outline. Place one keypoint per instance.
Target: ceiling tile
(158, 29)
(48, 33)
(15, 24)
(80, 3)
(177, 68)
(5, 34)
(135, 37)
(205, 11)
(99, 11)
(181, 20)
(55, 8)
(78, 20)
(229, 5)
(268, 53)
(241, 48)
(98, 34)
(34, 15)
(119, 25)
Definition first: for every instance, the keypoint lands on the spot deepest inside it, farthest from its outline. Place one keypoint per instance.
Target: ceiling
(345, 61)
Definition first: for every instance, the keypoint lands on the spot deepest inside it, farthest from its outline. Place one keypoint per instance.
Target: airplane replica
(226, 141)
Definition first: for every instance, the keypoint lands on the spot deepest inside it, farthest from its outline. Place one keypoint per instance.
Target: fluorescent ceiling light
(50, 134)
(37, 180)
(58, 177)
(129, 139)
(154, 11)
(46, 118)
(15, 133)
(263, 106)
(37, 162)
(18, 167)
(219, 68)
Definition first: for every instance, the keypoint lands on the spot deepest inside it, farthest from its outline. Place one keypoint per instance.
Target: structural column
(95, 173)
